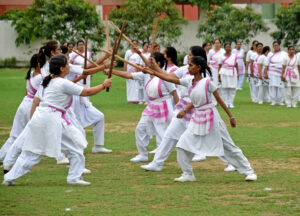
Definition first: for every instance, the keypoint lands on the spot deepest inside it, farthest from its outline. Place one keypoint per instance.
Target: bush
(8, 62)
(180, 57)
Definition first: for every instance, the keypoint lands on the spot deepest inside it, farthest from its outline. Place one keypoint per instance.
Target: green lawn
(269, 137)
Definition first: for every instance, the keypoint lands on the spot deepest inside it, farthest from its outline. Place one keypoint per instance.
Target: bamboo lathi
(85, 54)
(124, 36)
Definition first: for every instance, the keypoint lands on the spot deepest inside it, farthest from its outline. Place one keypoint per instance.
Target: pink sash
(202, 118)
(229, 66)
(214, 64)
(290, 73)
(157, 110)
(30, 94)
(63, 112)
(255, 66)
(173, 68)
(274, 69)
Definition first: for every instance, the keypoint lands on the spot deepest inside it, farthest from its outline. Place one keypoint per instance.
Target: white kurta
(240, 59)
(132, 86)
(210, 144)
(228, 71)
(47, 122)
(213, 60)
(275, 69)
(291, 73)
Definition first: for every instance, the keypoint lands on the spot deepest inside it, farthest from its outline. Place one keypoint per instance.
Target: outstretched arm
(96, 89)
(99, 61)
(95, 69)
(222, 104)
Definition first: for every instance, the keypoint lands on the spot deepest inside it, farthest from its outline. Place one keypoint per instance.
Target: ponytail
(33, 64)
(46, 81)
(200, 61)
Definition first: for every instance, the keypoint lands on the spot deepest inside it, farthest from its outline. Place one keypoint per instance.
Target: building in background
(195, 15)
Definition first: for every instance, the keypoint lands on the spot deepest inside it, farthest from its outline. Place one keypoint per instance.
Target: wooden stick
(124, 36)
(125, 61)
(115, 51)
(90, 61)
(107, 33)
(85, 54)
(154, 34)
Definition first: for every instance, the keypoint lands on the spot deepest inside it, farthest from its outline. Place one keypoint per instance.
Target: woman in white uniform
(263, 82)
(241, 64)
(177, 126)
(206, 132)
(49, 130)
(276, 86)
(34, 79)
(132, 85)
(248, 71)
(157, 115)
(290, 75)
(213, 60)
(254, 70)
(228, 75)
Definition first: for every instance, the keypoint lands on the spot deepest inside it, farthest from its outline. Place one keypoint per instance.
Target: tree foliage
(287, 20)
(231, 24)
(140, 14)
(62, 20)
(204, 4)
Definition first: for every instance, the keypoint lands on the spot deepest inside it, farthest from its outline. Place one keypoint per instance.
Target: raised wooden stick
(85, 54)
(124, 36)
(125, 61)
(90, 61)
(107, 33)
(154, 34)
(115, 51)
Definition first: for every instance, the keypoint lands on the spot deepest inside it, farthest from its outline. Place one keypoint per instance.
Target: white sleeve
(253, 57)
(71, 88)
(138, 76)
(208, 56)
(39, 93)
(185, 82)
(285, 61)
(220, 59)
(261, 59)
(180, 72)
(185, 60)
(212, 87)
(170, 86)
(127, 55)
(76, 69)
(248, 56)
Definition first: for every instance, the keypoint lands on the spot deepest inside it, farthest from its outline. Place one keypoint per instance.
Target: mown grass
(269, 137)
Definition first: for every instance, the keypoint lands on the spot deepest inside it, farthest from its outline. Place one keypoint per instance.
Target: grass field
(269, 137)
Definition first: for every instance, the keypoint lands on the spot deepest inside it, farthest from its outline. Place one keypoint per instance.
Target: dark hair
(171, 52)
(69, 44)
(33, 64)
(79, 41)
(253, 42)
(238, 42)
(259, 43)
(144, 43)
(227, 43)
(198, 51)
(134, 41)
(200, 61)
(64, 49)
(266, 49)
(205, 44)
(218, 40)
(56, 62)
(290, 46)
(276, 42)
(159, 57)
(46, 50)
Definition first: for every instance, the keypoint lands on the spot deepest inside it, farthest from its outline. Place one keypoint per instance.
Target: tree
(231, 24)
(287, 20)
(140, 14)
(62, 20)
(204, 4)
